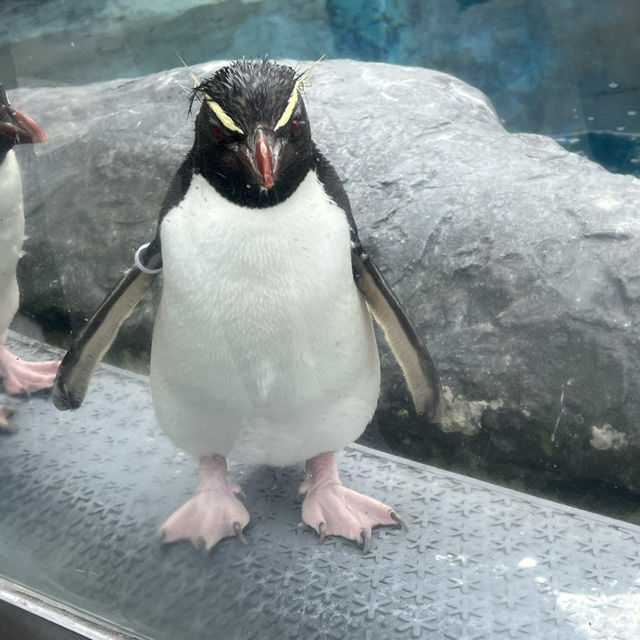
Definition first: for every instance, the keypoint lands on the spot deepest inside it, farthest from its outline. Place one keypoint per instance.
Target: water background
(567, 69)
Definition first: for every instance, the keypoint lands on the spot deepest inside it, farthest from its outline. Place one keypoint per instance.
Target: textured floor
(82, 495)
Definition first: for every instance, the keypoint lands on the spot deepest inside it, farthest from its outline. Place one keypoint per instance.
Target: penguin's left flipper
(406, 344)
(408, 347)
(98, 334)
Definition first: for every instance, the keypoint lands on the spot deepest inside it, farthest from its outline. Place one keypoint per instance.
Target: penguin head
(16, 127)
(253, 140)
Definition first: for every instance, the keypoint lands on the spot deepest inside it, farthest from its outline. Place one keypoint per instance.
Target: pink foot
(333, 510)
(213, 513)
(19, 376)
(5, 414)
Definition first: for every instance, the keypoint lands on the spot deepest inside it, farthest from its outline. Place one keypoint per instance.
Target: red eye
(295, 125)
(217, 131)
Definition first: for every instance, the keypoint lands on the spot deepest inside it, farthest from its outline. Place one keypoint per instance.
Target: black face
(253, 140)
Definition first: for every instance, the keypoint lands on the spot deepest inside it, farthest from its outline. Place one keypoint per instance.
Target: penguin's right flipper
(98, 334)
(406, 344)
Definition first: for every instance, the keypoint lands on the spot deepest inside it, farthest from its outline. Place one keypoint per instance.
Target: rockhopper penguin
(17, 375)
(263, 347)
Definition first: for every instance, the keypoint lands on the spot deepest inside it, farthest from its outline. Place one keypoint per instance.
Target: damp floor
(82, 495)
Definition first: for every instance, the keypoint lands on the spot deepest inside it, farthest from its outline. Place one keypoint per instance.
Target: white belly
(11, 238)
(263, 349)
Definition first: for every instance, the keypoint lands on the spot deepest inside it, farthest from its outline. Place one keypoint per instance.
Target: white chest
(11, 214)
(244, 267)
(262, 341)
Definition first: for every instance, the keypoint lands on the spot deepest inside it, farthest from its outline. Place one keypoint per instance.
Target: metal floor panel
(82, 496)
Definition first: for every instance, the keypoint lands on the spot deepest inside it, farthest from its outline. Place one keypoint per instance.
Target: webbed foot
(333, 510)
(212, 514)
(21, 376)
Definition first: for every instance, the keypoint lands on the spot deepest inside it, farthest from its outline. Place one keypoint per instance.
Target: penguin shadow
(271, 496)
(373, 437)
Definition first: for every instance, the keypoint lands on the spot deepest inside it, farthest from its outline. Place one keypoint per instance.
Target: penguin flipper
(406, 344)
(100, 331)
(97, 335)
(408, 347)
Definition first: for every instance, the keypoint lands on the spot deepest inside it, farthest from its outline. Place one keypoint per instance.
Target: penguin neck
(6, 144)
(235, 187)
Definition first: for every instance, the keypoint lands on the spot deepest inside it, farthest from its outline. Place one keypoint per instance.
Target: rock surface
(519, 261)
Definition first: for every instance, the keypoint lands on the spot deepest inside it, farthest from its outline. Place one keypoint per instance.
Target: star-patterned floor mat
(82, 495)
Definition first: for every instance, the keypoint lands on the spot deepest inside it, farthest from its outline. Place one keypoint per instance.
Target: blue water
(568, 69)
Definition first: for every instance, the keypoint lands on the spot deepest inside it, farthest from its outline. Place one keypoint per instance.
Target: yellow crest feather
(225, 119)
(194, 77)
(293, 98)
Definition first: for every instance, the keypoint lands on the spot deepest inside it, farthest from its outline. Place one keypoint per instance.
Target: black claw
(237, 529)
(399, 521)
(322, 531)
(366, 540)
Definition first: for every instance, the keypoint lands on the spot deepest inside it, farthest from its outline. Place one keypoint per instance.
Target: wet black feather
(250, 91)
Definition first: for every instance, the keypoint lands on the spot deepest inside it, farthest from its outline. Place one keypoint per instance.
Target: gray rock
(519, 261)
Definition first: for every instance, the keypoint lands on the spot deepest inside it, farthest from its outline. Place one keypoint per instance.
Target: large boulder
(519, 261)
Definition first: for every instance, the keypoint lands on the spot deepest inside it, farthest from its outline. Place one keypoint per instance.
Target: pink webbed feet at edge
(213, 513)
(20, 376)
(333, 510)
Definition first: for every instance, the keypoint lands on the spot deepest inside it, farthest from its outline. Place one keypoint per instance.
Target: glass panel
(491, 164)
